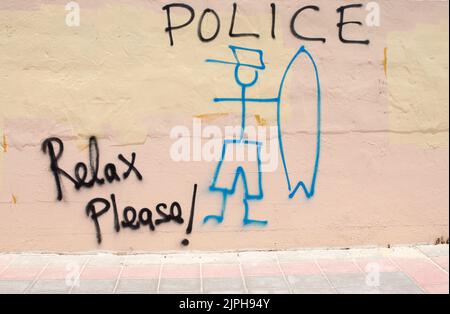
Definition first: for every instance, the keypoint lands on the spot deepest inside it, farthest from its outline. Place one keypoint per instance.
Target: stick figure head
(246, 59)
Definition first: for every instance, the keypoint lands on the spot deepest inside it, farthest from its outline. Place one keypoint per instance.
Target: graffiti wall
(137, 125)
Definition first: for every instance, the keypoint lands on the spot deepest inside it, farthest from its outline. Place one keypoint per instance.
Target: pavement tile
(20, 272)
(180, 271)
(365, 253)
(13, 286)
(392, 279)
(58, 272)
(338, 266)
(400, 270)
(300, 268)
(397, 283)
(403, 252)
(314, 290)
(226, 292)
(180, 292)
(261, 269)
(176, 285)
(140, 272)
(5, 259)
(381, 290)
(50, 287)
(70, 261)
(3, 268)
(106, 260)
(137, 286)
(358, 290)
(220, 258)
(395, 279)
(257, 257)
(308, 282)
(290, 256)
(223, 284)
(387, 283)
(310, 255)
(144, 259)
(409, 289)
(423, 271)
(329, 254)
(268, 291)
(436, 289)
(99, 272)
(441, 261)
(266, 282)
(220, 270)
(434, 250)
(347, 280)
(88, 286)
(182, 258)
(381, 265)
(31, 260)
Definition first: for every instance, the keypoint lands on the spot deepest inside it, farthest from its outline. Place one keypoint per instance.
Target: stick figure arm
(247, 100)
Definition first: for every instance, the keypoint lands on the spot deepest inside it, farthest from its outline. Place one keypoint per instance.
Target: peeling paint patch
(4, 144)
(260, 120)
(14, 199)
(211, 116)
(415, 81)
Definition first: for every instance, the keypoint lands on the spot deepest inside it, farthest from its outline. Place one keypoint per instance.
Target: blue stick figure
(254, 191)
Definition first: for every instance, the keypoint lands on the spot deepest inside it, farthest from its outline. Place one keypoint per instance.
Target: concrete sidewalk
(404, 270)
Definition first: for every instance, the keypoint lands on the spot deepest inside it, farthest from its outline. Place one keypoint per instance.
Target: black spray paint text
(89, 176)
(54, 147)
(134, 220)
(210, 14)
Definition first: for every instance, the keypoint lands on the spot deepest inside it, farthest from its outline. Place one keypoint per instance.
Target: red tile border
(423, 271)
(57, 272)
(436, 289)
(442, 261)
(5, 260)
(384, 265)
(300, 268)
(181, 271)
(338, 266)
(100, 272)
(261, 269)
(140, 272)
(221, 270)
(20, 273)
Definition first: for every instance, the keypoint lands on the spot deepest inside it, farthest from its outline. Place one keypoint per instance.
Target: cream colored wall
(383, 175)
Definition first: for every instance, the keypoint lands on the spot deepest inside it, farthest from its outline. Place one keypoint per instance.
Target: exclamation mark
(185, 242)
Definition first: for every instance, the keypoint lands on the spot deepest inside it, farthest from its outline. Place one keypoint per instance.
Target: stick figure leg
(248, 221)
(218, 218)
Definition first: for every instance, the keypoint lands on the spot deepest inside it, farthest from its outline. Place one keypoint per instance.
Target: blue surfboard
(306, 183)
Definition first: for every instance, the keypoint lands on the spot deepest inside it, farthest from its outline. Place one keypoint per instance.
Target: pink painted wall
(382, 175)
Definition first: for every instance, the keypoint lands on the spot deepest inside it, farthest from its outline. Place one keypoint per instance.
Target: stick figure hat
(245, 57)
